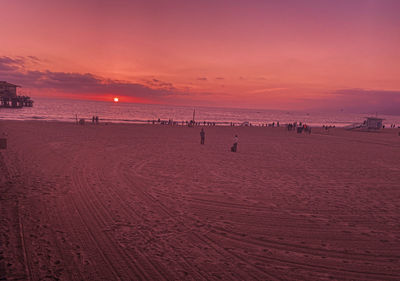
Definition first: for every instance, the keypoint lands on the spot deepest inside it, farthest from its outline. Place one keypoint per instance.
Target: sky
(287, 54)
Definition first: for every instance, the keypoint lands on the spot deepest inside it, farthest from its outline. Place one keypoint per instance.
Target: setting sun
(116, 99)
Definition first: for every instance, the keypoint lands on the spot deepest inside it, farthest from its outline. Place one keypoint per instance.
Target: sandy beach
(148, 202)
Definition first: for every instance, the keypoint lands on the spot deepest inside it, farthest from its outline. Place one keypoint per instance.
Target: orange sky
(269, 54)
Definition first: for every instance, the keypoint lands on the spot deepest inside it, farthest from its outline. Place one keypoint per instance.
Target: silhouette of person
(235, 144)
(202, 136)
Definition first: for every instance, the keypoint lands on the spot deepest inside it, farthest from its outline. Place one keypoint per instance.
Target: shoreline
(199, 125)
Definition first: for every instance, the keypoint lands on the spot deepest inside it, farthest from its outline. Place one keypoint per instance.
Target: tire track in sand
(95, 219)
(129, 212)
(152, 201)
(318, 252)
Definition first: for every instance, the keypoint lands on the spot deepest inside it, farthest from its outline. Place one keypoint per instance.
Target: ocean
(69, 110)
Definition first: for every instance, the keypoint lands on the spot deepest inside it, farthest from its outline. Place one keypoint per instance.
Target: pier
(9, 97)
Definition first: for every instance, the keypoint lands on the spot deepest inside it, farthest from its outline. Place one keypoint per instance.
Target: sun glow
(116, 99)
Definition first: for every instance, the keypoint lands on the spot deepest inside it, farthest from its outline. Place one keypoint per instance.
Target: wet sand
(148, 202)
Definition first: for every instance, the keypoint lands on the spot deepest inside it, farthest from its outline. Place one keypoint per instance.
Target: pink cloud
(81, 84)
(365, 100)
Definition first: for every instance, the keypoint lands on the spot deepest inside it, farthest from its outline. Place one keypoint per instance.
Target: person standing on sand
(235, 144)
(202, 136)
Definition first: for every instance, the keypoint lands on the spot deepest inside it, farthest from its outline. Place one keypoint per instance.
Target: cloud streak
(366, 100)
(18, 70)
(80, 84)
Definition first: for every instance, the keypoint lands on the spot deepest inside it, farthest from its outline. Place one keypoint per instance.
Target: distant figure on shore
(202, 136)
(97, 119)
(93, 119)
(235, 144)
(307, 129)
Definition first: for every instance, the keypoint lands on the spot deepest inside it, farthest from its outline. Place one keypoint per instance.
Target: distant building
(9, 97)
(8, 90)
(373, 123)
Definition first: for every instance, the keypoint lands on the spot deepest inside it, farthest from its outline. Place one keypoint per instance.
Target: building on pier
(9, 97)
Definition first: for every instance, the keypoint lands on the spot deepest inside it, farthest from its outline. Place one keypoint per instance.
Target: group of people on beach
(294, 125)
(235, 140)
(190, 123)
(299, 127)
(95, 119)
(248, 124)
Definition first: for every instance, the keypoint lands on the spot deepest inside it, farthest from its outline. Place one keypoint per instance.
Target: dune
(148, 202)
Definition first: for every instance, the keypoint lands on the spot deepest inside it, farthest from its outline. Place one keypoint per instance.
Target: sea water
(70, 110)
